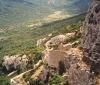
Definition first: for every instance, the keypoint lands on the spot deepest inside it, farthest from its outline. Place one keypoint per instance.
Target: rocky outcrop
(78, 76)
(78, 71)
(47, 73)
(41, 42)
(11, 62)
(73, 56)
(86, 73)
(58, 39)
(91, 37)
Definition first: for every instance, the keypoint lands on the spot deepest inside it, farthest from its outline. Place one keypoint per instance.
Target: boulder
(41, 42)
(13, 61)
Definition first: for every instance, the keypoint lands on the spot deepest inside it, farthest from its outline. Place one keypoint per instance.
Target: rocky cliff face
(87, 72)
(91, 37)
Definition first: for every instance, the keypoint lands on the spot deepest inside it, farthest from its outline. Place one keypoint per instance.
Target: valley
(24, 40)
(57, 15)
(16, 13)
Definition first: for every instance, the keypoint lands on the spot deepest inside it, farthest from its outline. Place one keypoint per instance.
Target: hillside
(20, 18)
(24, 22)
(20, 41)
(25, 43)
(16, 13)
(64, 62)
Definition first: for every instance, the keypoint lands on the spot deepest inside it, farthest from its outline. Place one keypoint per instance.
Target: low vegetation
(23, 41)
(58, 80)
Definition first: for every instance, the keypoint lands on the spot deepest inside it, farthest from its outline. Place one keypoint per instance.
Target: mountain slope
(21, 12)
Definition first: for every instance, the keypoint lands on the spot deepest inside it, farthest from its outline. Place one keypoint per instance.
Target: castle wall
(54, 57)
(66, 47)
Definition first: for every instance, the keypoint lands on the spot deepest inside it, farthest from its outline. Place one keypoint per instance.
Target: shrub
(56, 80)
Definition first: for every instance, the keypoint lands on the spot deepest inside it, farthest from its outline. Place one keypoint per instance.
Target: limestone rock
(77, 76)
(91, 36)
(73, 56)
(60, 38)
(84, 73)
(47, 73)
(13, 61)
(50, 35)
(41, 42)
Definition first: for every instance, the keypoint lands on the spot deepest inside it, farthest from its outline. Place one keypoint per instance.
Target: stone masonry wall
(54, 56)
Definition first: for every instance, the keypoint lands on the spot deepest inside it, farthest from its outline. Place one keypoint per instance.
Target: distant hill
(14, 13)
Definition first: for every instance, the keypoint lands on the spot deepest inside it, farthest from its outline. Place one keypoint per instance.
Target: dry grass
(57, 15)
(38, 71)
(35, 24)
